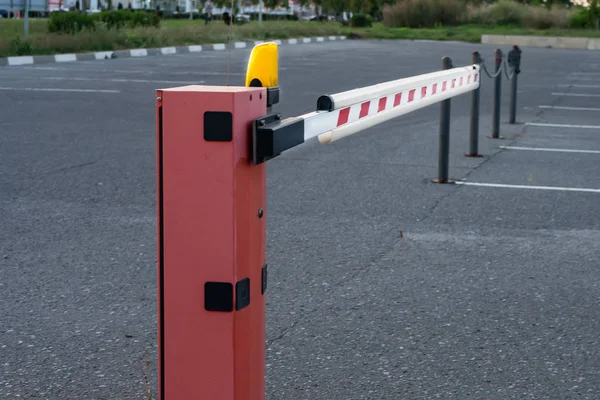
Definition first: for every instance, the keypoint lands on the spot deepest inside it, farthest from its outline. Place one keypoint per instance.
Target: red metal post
(211, 244)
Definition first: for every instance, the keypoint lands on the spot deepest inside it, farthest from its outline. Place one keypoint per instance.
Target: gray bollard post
(444, 132)
(497, 96)
(474, 126)
(514, 60)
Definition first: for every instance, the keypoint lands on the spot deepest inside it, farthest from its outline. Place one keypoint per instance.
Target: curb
(164, 51)
(574, 43)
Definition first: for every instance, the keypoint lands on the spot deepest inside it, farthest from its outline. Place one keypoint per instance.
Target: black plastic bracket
(271, 136)
(272, 96)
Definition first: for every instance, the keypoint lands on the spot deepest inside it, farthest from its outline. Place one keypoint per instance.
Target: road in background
(382, 285)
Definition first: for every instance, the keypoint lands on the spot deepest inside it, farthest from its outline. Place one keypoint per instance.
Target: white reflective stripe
(316, 123)
(344, 99)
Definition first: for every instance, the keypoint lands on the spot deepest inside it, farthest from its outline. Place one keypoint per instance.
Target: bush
(580, 19)
(509, 12)
(73, 22)
(543, 18)
(115, 19)
(70, 22)
(424, 13)
(125, 18)
(586, 17)
(361, 20)
(504, 12)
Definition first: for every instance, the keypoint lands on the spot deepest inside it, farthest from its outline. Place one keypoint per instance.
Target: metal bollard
(514, 60)
(497, 96)
(474, 126)
(444, 132)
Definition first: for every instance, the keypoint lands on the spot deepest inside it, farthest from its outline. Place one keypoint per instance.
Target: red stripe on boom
(424, 91)
(444, 86)
(382, 103)
(461, 81)
(411, 95)
(364, 109)
(434, 88)
(397, 99)
(343, 117)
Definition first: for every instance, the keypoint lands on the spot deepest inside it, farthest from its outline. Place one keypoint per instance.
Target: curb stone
(575, 43)
(164, 51)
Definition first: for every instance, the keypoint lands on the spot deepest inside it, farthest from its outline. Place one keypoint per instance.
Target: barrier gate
(212, 145)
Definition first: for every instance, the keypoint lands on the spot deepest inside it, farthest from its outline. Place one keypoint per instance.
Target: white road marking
(585, 73)
(557, 188)
(219, 46)
(293, 41)
(240, 45)
(52, 78)
(194, 49)
(582, 78)
(563, 125)
(549, 149)
(571, 108)
(575, 94)
(581, 86)
(61, 90)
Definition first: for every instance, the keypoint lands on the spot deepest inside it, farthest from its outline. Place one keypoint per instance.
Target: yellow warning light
(263, 68)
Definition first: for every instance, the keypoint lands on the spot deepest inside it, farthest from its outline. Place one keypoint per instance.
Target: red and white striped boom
(358, 109)
(344, 114)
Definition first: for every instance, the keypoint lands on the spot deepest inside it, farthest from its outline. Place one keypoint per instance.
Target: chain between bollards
(497, 95)
(443, 158)
(474, 126)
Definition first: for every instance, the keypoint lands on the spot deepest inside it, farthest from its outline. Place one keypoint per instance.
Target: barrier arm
(346, 113)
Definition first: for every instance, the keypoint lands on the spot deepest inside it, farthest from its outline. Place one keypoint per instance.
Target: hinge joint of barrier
(271, 136)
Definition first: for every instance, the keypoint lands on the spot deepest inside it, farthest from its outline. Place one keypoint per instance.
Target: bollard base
(438, 180)
(499, 137)
(473, 155)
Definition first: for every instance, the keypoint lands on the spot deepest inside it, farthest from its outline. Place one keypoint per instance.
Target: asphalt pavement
(382, 284)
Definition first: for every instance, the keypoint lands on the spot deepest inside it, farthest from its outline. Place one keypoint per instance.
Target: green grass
(186, 32)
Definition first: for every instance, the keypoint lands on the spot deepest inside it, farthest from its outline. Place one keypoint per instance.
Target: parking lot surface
(382, 284)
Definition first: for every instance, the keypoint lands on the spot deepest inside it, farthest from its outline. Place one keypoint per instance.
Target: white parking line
(575, 94)
(571, 108)
(563, 125)
(61, 90)
(549, 149)
(53, 78)
(557, 188)
(582, 78)
(585, 73)
(581, 86)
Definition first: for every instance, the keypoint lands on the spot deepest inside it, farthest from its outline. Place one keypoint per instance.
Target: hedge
(73, 22)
